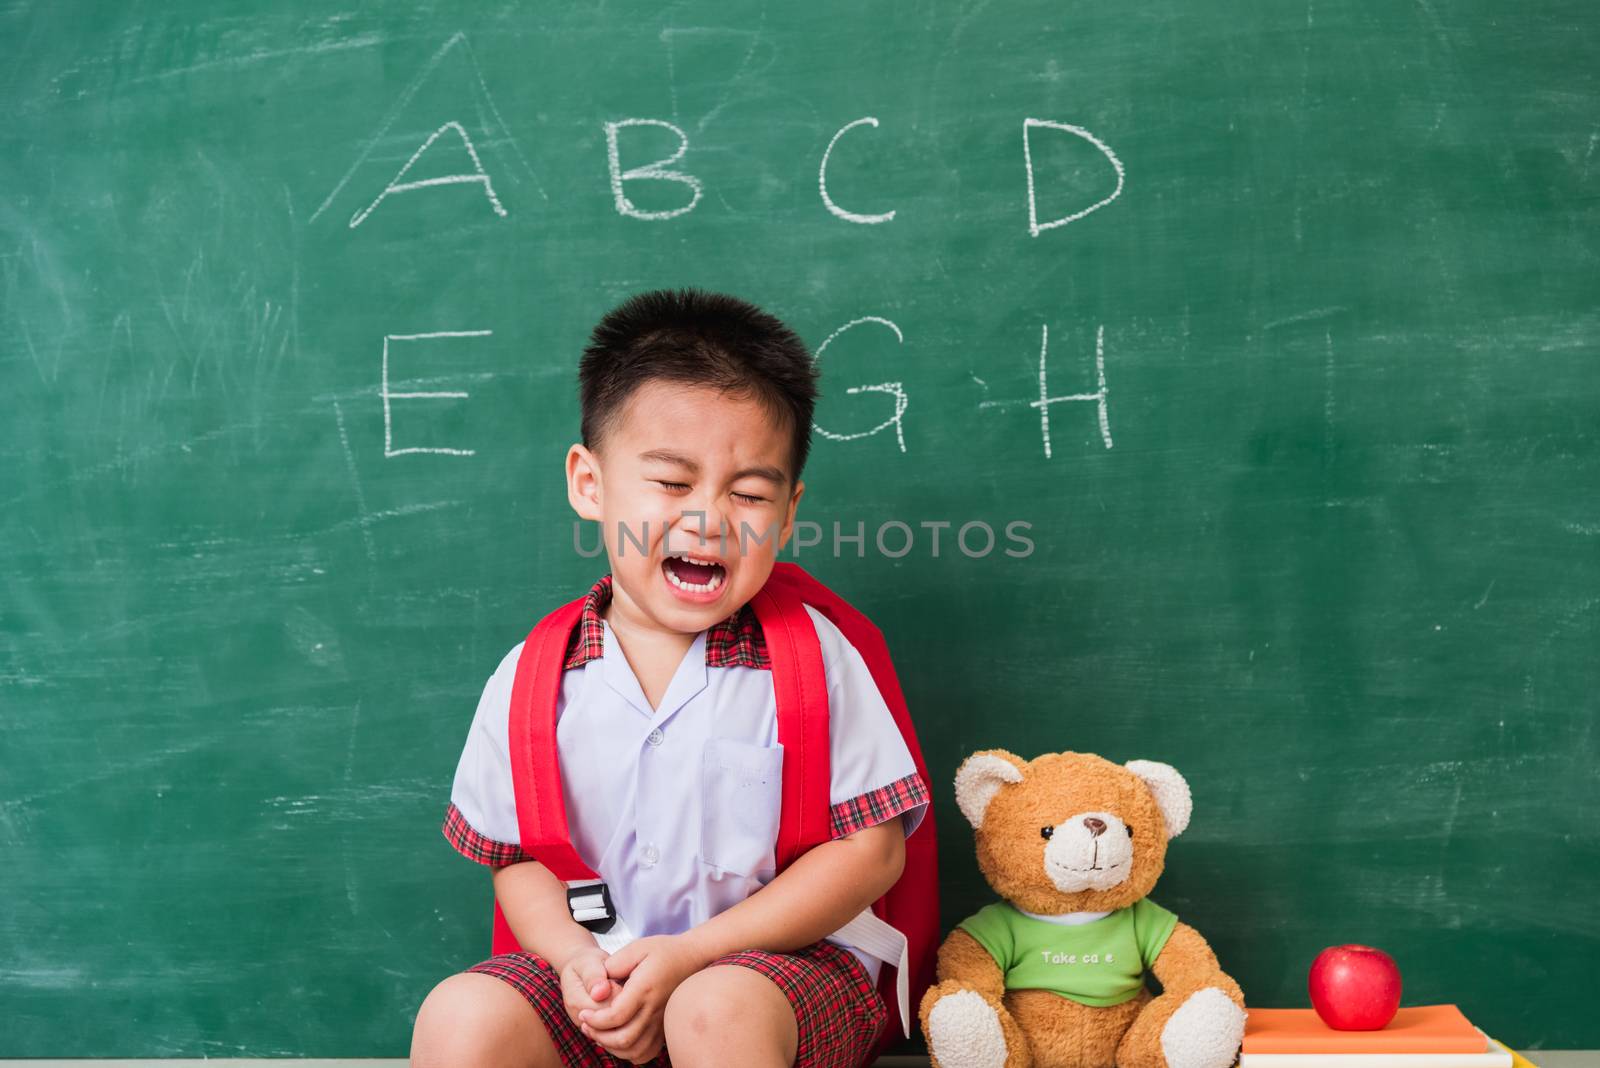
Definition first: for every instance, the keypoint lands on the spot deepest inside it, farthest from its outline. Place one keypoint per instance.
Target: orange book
(1419, 1029)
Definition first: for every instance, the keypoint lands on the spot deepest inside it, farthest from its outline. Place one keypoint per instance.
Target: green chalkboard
(1308, 292)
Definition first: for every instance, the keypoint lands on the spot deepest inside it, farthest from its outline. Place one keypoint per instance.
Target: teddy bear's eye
(1046, 832)
(1130, 832)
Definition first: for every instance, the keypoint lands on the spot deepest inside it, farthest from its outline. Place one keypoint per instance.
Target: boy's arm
(821, 891)
(481, 823)
(535, 906)
(534, 903)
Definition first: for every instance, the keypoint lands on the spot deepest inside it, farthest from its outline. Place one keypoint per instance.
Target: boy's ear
(583, 482)
(788, 514)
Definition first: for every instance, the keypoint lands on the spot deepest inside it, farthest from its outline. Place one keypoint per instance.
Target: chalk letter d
(1035, 227)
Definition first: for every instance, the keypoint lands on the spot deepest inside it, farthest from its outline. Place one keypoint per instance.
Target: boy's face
(693, 491)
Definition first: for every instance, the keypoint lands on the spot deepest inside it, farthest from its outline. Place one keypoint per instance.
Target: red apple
(1355, 988)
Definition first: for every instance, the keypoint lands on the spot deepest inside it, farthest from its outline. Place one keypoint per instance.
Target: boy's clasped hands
(619, 999)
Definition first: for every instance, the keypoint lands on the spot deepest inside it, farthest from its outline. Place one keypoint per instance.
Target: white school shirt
(677, 808)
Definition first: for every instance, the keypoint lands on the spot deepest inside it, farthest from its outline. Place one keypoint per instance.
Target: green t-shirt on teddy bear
(1101, 962)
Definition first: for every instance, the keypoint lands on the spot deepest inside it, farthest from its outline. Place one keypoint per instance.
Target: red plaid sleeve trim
(875, 806)
(474, 846)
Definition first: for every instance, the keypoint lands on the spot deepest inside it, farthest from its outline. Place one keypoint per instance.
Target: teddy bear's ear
(980, 777)
(1170, 790)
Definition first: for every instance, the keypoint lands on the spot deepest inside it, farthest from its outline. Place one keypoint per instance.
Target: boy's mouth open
(694, 578)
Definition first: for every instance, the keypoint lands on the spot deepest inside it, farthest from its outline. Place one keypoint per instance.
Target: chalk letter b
(657, 170)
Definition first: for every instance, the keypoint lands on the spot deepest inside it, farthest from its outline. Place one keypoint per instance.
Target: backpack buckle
(591, 907)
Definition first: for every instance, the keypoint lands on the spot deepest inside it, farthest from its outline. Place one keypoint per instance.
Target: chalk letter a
(395, 185)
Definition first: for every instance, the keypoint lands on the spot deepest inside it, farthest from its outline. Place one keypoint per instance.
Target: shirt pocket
(741, 800)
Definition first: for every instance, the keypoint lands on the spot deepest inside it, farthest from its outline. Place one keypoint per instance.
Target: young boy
(696, 422)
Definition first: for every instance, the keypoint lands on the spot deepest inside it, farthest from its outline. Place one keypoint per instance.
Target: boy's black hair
(703, 339)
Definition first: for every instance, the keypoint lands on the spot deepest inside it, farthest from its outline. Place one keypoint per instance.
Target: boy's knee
(477, 1021)
(724, 1000)
(689, 1008)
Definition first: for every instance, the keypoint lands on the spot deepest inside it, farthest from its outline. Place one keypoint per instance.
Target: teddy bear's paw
(1205, 1032)
(964, 1032)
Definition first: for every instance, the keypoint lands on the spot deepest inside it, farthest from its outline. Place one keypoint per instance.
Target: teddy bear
(1052, 976)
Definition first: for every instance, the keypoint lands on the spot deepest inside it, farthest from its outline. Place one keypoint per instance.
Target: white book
(1494, 1056)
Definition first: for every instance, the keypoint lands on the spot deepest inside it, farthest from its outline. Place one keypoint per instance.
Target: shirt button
(654, 737)
(649, 857)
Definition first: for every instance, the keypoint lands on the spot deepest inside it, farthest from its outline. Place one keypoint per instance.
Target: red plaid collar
(734, 642)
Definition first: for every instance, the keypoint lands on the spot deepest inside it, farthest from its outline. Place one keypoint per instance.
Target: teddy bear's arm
(963, 960)
(1199, 1015)
(1186, 964)
(964, 1016)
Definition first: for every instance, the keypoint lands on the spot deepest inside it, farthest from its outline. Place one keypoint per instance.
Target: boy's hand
(584, 982)
(630, 1024)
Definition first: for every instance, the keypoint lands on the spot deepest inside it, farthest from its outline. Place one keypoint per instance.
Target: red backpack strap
(535, 773)
(800, 688)
(912, 904)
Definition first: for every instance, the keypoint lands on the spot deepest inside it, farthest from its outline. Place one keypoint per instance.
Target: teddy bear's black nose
(1096, 825)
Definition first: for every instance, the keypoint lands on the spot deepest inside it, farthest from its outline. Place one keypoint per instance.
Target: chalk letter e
(388, 395)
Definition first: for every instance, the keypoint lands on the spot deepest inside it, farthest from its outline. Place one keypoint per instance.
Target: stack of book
(1425, 1036)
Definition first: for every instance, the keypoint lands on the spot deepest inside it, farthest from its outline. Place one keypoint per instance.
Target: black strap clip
(590, 905)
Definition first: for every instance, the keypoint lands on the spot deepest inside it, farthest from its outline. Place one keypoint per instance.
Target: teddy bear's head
(1071, 832)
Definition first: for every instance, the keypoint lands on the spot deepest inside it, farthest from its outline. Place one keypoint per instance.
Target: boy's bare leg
(473, 1020)
(726, 1015)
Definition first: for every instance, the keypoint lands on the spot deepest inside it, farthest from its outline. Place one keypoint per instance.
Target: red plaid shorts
(838, 1012)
